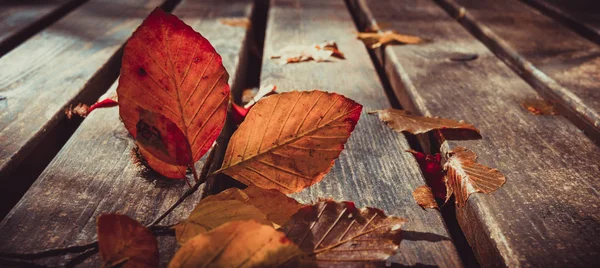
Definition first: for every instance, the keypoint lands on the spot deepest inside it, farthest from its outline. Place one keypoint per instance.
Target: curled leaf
(375, 40)
(299, 53)
(424, 197)
(289, 141)
(338, 234)
(83, 110)
(172, 77)
(124, 242)
(237, 244)
(431, 166)
(249, 98)
(236, 22)
(402, 121)
(465, 176)
(539, 107)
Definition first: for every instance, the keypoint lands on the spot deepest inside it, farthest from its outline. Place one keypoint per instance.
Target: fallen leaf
(172, 82)
(539, 107)
(237, 244)
(249, 98)
(338, 234)
(375, 40)
(277, 206)
(424, 197)
(80, 110)
(317, 52)
(124, 242)
(431, 166)
(289, 141)
(210, 215)
(402, 121)
(236, 22)
(464, 176)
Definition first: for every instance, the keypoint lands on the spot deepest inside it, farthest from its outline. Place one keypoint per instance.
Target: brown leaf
(172, 92)
(277, 206)
(289, 141)
(237, 244)
(464, 176)
(251, 96)
(236, 22)
(401, 121)
(338, 234)
(80, 110)
(375, 40)
(124, 242)
(299, 53)
(424, 197)
(210, 215)
(539, 107)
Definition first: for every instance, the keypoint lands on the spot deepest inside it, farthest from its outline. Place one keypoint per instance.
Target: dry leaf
(80, 110)
(277, 206)
(340, 235)
(209, 215)
(424, 197)
(431, 166)
(401, 121)
(124, 242)
(249, 98)
(299, 53)
(236, 22)
(539, 107)
(237, 244)
(83, 110)
(464, 176)
(375, 40)
(172, 91)
(289, 141)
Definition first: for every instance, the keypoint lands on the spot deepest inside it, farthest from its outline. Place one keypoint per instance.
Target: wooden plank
(94, 172)
(583, 16)
(373, 170)
(21, 19)
(547, 213)
(562, 65)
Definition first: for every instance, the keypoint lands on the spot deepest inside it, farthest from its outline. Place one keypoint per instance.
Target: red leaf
(431, 166)
(172, 89)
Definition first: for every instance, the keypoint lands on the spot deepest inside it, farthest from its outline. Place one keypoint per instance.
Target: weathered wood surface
(582, 16)
(94, 172)
(21, 19)
(561, 64)
(547, 214)
(373, 170)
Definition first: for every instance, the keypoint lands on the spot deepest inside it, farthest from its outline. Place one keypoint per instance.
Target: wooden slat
(547, 213)
(94, 172)
(561, 64)
(21, 19)
(373, 170)
(582, 16)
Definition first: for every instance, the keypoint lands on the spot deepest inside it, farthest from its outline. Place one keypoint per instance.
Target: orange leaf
(424, 197)
(402, 121)
(236, 22)
(289, 141)
(375, 40)
(464, 176)
(237, 244)
(172, 91)
(339, 235)
(539, 107)
(124, 241)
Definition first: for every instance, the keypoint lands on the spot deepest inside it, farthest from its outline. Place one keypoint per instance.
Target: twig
(50, 252)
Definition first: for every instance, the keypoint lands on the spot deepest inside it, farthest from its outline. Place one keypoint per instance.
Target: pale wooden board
(582, 16)
(561, 64)
(373, 170)
(547, 214)
(94, 173)
(21, 19)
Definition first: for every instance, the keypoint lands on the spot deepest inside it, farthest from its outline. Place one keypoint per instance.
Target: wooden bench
(547, 213)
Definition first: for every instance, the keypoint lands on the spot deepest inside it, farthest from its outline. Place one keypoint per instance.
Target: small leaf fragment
(465, 176)
(237, 244)
(338, 234)
(125, 242)
(375, 40)
(83, 110)
(249, 98)
(424, 197)
(236, 22)
(299, 53)
(431, 166)
(402, 121)
(539, 107)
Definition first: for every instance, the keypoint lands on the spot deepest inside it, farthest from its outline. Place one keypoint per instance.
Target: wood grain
(547, 213)
(22, 19)
(558, 62)
(94, 172)
(373, 170)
